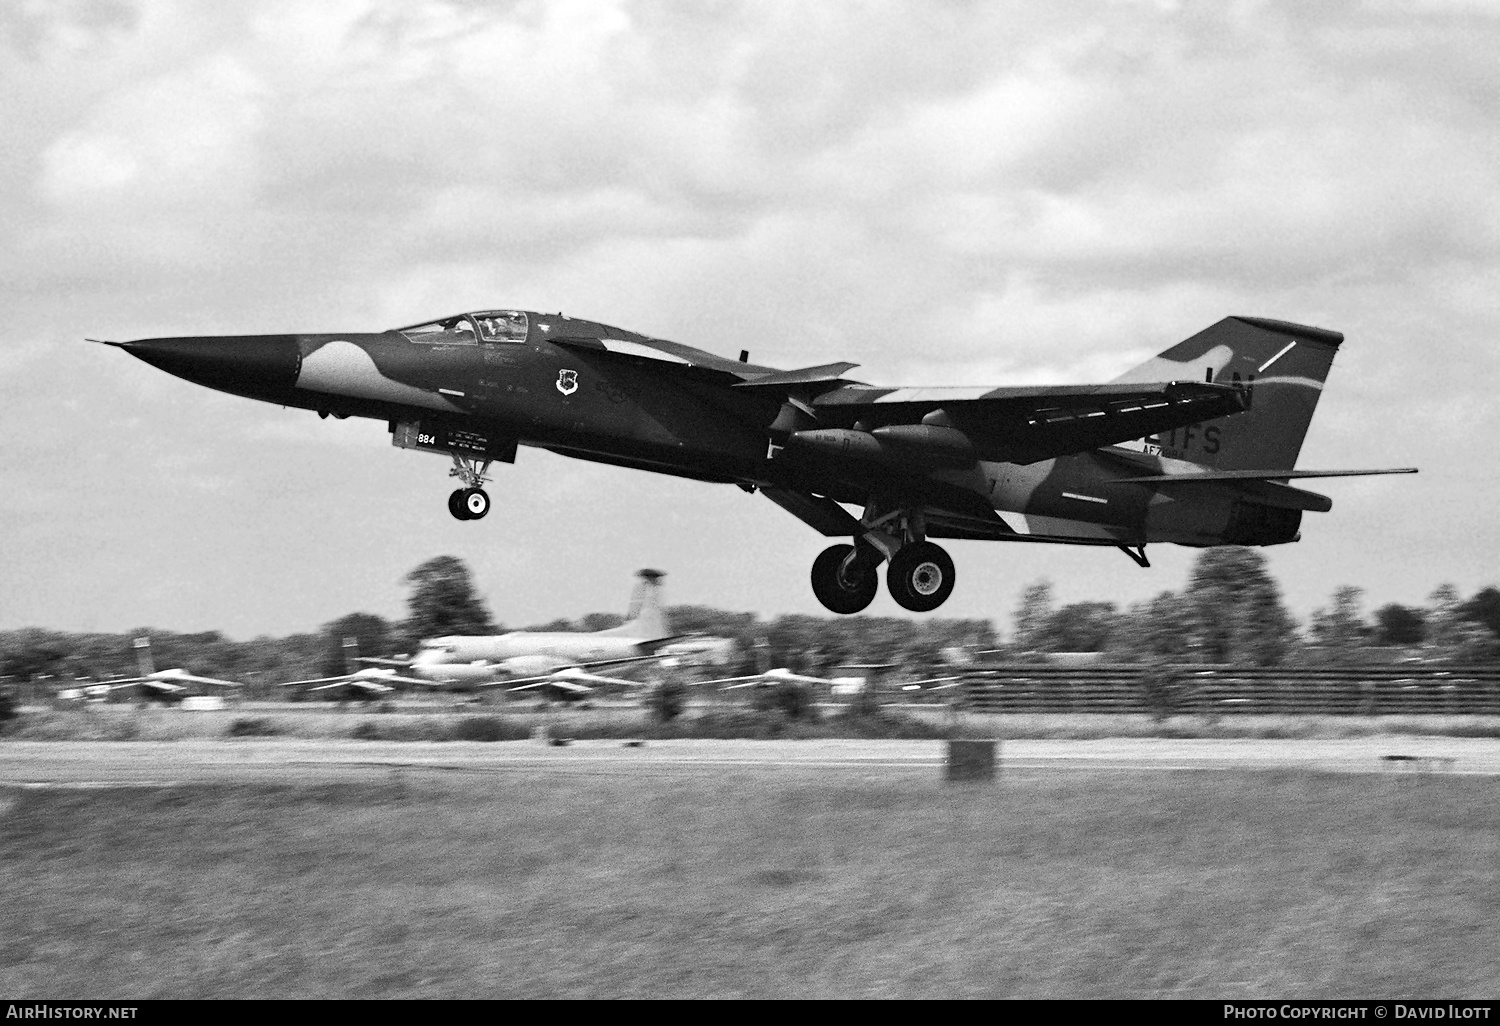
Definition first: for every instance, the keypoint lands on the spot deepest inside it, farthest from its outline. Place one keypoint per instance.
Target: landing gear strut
(471, 502)
(920, 577)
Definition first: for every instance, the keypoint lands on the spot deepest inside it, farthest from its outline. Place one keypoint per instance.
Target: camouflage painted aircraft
(1194, 447)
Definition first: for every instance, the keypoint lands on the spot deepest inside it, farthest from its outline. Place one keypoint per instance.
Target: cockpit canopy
(472, 328)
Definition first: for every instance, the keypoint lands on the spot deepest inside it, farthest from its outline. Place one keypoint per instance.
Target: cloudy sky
(944, 192)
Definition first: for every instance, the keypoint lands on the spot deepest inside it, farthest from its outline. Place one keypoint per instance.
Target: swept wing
(775, 676)
(572, 679)
(936, 427)
(172, 680)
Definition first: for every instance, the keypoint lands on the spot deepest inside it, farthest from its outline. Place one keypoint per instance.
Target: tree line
(1230, 611)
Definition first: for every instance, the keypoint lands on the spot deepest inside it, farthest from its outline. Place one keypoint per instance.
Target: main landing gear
(471, 502)
(920, 578)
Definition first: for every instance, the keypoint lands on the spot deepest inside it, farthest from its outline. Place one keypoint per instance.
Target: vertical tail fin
(351, 655)
(1281, 365)
(644, 619)
(143, 660)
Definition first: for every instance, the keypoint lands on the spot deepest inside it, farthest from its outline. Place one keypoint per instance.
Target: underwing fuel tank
(917, 445)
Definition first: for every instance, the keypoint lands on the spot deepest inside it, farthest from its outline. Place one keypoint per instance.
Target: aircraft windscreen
(457, 329)
(501, 325)
(487, 326)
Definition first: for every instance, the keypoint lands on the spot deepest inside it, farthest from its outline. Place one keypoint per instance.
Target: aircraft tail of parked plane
(643, 620)
(144, 664)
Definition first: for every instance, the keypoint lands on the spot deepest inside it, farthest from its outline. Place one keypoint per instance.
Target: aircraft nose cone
(245, 364)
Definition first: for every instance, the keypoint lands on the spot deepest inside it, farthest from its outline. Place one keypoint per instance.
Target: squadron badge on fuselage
(567, 381)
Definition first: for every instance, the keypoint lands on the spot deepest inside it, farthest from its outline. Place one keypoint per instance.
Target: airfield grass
(759, 884)
(505, 723)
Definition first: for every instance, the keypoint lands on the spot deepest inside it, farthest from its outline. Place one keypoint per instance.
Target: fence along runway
(1409, 689)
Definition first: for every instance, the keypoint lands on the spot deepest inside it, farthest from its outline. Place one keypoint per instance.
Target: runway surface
(300, 761)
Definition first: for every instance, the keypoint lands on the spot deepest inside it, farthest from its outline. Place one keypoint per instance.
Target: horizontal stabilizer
(1256, 475)
(359, 685)
(561, 684)
(1263, 486)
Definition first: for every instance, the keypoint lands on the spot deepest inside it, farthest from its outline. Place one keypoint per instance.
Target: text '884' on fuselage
(1194, 447)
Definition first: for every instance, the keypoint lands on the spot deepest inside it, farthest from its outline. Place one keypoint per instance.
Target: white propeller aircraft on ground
(559, 663)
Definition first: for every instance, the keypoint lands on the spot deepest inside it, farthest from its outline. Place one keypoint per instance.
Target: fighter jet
(166, 686)
(568, 684)
(559, 663)
(1194, 447)
(367, 684)
(767, 678)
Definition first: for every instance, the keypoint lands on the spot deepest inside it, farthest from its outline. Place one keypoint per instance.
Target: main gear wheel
(844, 580)
(920, 577)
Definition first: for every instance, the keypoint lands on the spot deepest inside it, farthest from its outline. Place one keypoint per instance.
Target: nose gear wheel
(469, 503)
(476, 503)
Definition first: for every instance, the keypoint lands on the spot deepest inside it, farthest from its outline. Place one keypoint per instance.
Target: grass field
(759, 884)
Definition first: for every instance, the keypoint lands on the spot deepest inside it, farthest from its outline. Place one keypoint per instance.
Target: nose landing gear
(471, 502)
